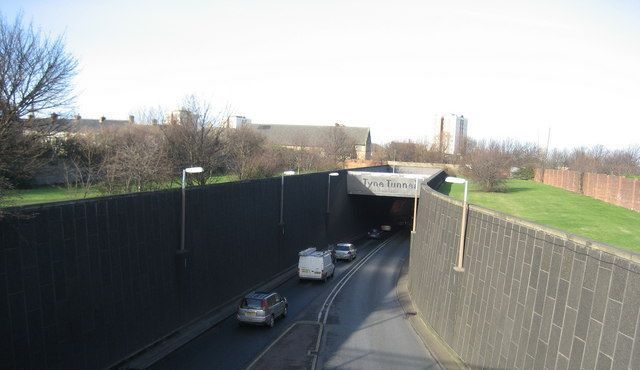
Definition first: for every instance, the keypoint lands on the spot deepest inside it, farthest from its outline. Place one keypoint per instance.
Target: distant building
(83, 125)
(236, 121)
(179, 116)
(451, 133)
(79, 126)
(313, 137)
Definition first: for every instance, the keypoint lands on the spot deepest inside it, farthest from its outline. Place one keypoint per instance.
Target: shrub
(524, 173)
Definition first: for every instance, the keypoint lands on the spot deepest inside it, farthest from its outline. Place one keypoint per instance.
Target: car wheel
(270, 322)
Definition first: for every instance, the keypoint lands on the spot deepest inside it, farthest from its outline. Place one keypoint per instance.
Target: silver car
(262, 308)
(345, 251)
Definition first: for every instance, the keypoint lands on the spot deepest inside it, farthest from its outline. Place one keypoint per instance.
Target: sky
(515, 69)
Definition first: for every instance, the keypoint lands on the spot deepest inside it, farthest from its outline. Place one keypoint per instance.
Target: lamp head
(193, 170)
(455, 180)
(334, 174)
(288, 173)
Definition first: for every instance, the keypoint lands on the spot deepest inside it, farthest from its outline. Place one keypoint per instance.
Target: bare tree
(337, 145)
(82, 158)
(488, 164)
(304, 157)
(193, 138)
(244, 147)
(136, 160)
(150, 116)
(35, 78)
(625, 161)
(441, 142)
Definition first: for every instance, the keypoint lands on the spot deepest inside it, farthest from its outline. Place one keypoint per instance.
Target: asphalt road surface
(364, 326)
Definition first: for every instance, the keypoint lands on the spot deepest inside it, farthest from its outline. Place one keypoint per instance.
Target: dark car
(262, 308)
(374, 234)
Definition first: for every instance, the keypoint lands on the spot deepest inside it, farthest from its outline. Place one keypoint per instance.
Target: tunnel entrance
(394, 211)
(387, 197)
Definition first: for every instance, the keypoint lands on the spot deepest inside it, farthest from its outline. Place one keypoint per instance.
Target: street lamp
(332, 174)
(463, 221)
(184, 175)
(415, 204)
(285, 173)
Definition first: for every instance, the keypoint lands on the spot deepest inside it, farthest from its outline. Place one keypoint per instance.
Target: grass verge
(561, 209)
(23, 197)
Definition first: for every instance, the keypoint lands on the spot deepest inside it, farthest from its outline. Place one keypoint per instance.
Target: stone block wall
(530, 297)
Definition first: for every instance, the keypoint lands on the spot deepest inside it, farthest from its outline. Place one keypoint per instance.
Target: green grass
(47, 194)
(23, 197)
(561, 209)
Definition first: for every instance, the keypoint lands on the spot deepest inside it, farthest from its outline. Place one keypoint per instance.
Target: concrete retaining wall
(530, 297)
(84, 284)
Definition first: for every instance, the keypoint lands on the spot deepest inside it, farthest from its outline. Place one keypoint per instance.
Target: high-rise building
(451, 133)
(237, 121)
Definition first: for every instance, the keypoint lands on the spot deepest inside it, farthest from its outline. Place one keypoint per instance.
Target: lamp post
(415, 205)
(285, 173)
(332, 174)
(463, 221)
(326, 216)
(184, 176)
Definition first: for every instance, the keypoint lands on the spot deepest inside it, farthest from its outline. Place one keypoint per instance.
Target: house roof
(78, 125)
(307, 135)
(92, 125)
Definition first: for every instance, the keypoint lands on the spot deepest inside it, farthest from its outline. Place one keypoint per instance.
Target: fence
(84, 284)
(618, 190)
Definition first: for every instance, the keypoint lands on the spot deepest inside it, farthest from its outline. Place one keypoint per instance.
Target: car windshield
(342, 247)
(251, 303)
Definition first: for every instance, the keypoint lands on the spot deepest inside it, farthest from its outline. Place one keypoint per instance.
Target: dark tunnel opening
(394, 211)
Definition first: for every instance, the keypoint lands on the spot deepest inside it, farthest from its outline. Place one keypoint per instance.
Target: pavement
(296, 348)
(446, 357)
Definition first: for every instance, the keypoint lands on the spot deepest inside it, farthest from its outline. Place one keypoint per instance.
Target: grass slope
(561, 209)
(23, 197)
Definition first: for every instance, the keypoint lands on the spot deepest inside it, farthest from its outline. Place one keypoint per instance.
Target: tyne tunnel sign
(384, 184)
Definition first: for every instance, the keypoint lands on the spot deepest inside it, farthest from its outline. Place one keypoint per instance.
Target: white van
(314, 264)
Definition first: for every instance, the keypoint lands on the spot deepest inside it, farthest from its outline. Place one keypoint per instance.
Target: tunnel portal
(388, 197)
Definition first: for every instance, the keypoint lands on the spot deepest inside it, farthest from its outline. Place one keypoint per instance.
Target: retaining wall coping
(580, 240)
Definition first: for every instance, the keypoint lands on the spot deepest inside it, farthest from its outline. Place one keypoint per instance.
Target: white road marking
(271, 345)
(326, 307)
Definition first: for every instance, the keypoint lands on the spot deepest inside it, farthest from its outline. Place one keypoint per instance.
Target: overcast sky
(513, 68)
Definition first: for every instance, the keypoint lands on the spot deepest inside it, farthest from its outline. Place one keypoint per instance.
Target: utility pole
(546, 151)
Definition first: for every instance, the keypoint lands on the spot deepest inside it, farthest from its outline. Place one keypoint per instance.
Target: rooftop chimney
(31, 116)
(132, 119)
(77, 117)
(154, 121)
(102, 119)
(54, 117)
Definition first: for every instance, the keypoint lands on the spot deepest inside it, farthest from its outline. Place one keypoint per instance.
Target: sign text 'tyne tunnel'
(385, 184)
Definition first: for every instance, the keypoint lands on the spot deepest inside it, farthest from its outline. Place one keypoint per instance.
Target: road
(364, 326)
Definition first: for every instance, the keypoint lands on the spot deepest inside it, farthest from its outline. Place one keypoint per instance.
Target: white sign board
(384, 184)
